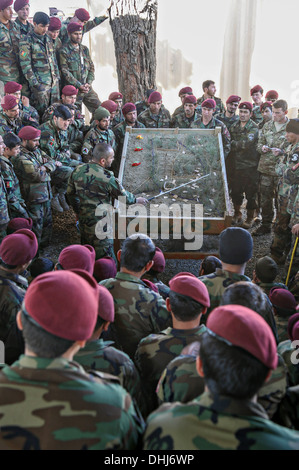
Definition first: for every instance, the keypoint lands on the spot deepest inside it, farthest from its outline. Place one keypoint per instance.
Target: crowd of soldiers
(92, 353)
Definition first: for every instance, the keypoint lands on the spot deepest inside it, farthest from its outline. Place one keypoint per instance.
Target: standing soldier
(77, 68)
(112, 107)
(271, 144)
(266, 110)
(143, 105)
(244, 134)
(229, 117)
(257, 97)
(209, 90)
(271, 96)
(117, 97)
(155, 116)
(53, 32)
(39, 65)
(184, 119)
(9, 46)
(22, 8)
(99, 133)
(16, 204)
(33, 169)
(82, 17)
(27, 111)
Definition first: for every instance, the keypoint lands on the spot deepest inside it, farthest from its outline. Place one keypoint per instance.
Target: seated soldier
(77, 257)
(28, 112)
(288, 349)
(68, 96)
(209, 265)
(98, 134)
(155, 116)
(75, 134)
(284, 306)
(157, 269)
(265, 273)
(237, 355)
(104, 268)
(112, 107)
(58, 315)
(18, 223)
(10, 118)
(117, 97)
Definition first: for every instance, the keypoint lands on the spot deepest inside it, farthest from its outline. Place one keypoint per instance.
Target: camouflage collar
(31, 362)
(227, 274)
(128, 277)
(17, 278)
(222, 404)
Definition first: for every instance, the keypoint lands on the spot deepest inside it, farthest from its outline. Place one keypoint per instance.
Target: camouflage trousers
(59, 179)
(42, 222)
(88, 237)
(245, 181)
(268, 190)
(230, 169)
(41, 100)
(90, 99)
(282, 233)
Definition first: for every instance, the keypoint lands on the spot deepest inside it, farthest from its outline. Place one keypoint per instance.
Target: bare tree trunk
(133, 23)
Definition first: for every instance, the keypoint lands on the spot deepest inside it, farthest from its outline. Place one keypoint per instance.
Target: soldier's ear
(168, 304)
(199, 367)
(118, 255)
(19, 320)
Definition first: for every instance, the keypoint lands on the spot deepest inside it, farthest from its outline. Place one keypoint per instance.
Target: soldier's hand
(25, 101)
(265, 148)
(58, 164)
(276, 152)
(141, 200)
(295, 230)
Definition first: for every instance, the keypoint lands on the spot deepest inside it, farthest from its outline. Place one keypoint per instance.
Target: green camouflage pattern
(16, 204)
(289, 409)
(220, 108)
(228, 121)
(63, 35)
(216, 423)
(12, 125)
(286, 350)
(29, 113)
(4, 214)
(162, 288)
(282, 327)
(226, 140)
(267, 286)
(139, 312)
(96, 136)
(257, 116)
(118, 118)
(273, 139)
(48, 114)
(61, 407)
(141, 106)
(182, 122)
(243, 145)
(23, 29)
(54, 142)
(9, 62)
(267, 192)
(158, 121)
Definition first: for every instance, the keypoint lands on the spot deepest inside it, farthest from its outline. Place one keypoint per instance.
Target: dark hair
(280, 104)
(136, 252)
(42, 343)
(183, 307)
(244, 293)
(72, 107)
(40, 266)
(230, 370)
(63, 112)
(210, 264)
(149, 92)
(11, 140)
(101, 150)
(41, 18)
(207, 83)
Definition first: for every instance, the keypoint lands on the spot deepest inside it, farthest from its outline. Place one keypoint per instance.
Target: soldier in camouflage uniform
(143, 105)
(244, 134)
(184, 119)
(68, 96)
(288, 349)
(183, 93)
(77, 68)
(53, 33)
(117, 97)
(82, 17)
(207, 121)
(155, 116)
(16, 204)
(188, 300)
(266, 110)
(227, 415)
(264, 274)
(257, 97)
(139, 311)
(4, 214)
(209, 90)
(99, 133)
(27, 112)
(284, 306)
(11, 119)
(9, 45)
(94, 411)
(271, 144)
(22, 9)
(33, 168)
(75, 134)
(229, 117)
(39, 65)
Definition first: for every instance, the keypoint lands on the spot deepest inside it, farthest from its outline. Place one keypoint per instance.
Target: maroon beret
(19, 4)
(192, 287)
(272, 95)
(12, 87)
(115, 95)
(72, 27)
(110, 105)
(78, 257)
(69, 90)
(293, 327)
(210, 104)
(55, 24)
(155, 96)
(246, 329)
(184, 274)
(233, 99)
(159, 261)
(29, 133)
(82, 14)
(256, 89)
(5, 3)
(190, 99)
(267, 104)
(282, 298)
(9, 102)
(128, 108)
(246, 105)
(186, 90)
(106, 304)
(18, 223)
(104, 268)
(64, 303)
(19, 247)
(150, 285)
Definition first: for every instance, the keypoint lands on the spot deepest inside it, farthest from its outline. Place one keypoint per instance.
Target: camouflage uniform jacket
(181, 121)
(96, 136)
(267, 286)
(216, 423)
(55, 143)
(228, 121)
(220, 108)
(4, 214)
(16, 204)
(287, 162)
(286, 350)
(294, 211)
(139, 311)
(226, 140)
(282, 328)
(29, 113)
(64, 408)
(38, 61)
(257, 116)
(273, 139)
(48, 114)
(12, 125)
(141, 106)
(35, 182)
(160, 120)
(291, 178)
(9, 61)
(118, 118)
(23, 29)
(63, 35)
(180, 110)
(243, 145)
(76, 65)
(12, 291)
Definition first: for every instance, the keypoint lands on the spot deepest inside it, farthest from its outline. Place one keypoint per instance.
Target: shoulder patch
(23, 53)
